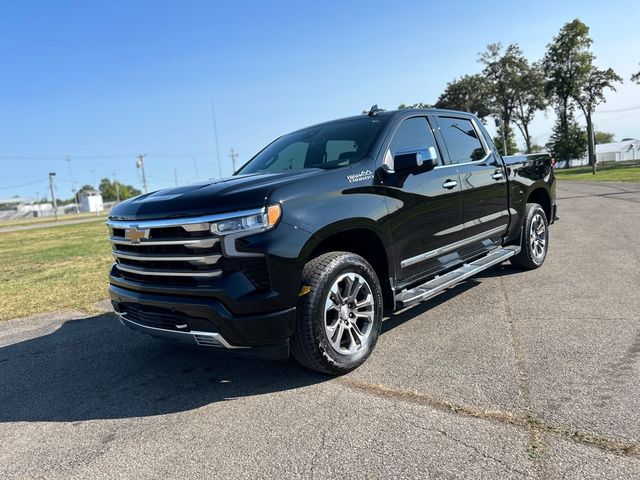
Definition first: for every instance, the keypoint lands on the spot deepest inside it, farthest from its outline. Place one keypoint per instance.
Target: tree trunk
(565, 130)
(591, 143)
(527, 137)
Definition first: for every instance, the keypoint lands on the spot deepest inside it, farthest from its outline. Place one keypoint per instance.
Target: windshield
(332, 145)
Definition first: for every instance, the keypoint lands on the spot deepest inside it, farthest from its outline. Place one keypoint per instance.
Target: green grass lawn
(614, 173)
(54, 268)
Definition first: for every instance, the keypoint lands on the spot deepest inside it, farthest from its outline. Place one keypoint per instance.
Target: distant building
(91, 201)
(22, 207)
(626, 150)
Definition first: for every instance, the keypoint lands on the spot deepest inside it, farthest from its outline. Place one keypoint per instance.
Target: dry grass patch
(55, 268)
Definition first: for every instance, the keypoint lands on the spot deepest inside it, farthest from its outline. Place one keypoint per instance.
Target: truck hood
(242, 192)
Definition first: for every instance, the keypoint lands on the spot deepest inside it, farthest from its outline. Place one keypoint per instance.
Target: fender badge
(359, 177)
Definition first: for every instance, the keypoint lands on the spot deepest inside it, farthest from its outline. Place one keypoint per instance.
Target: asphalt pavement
(511, 374)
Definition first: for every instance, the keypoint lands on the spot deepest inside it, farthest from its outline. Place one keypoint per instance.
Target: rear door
(425, 207)
(483, 182)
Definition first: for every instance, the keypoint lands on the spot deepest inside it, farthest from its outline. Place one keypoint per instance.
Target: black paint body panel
(410, 214)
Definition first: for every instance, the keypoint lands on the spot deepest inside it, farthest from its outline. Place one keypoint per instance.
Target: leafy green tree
(505, 72)
(603, 137)
(469, 94)
(512, 146)
(566, 65)
(109, 194)
(530, 98)
(402, 106)
(568, 140)
(535, 148)
(589, 96)
(85, 188)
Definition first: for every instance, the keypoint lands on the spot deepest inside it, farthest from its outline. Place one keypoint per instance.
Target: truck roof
(392, 114)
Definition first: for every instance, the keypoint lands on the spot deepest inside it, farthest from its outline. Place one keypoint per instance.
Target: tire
(534, 238)
(333, 334)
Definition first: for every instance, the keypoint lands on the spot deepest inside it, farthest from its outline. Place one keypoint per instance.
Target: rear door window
(461, 139)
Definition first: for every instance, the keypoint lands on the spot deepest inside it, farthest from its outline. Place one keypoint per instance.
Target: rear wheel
(534, 238)
(339, 319)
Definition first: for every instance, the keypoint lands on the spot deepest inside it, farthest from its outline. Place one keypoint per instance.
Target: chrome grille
(159, 252)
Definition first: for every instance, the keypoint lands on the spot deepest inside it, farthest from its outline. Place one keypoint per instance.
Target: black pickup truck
(307, 244)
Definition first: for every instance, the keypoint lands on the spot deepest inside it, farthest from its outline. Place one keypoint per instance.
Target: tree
(636, 77)
(468, 94)
(530, 98)
(535, 148)
(512, 146)
(568, 140)
(85, 188)
(591, 94)
(109, 194)
(402, 106)
(566, 65)
(603, 137)
(505, 73)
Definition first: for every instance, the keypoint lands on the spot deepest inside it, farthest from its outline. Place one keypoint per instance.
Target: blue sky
(104, 81)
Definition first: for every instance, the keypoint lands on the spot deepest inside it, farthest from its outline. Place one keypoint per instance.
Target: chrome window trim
(176, 222)
(452, 246)
(474, 162)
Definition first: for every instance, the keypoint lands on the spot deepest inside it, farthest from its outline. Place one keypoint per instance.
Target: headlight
(264, 220)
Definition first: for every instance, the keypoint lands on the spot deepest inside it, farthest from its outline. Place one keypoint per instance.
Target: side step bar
(438, 284)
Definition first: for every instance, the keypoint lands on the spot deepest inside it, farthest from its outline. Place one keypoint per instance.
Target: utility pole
(175, 176)
(233, 156)
(53, 194)
(215, 134)
(195, 163)
(73, 189)
(140, 165)
(117, 185)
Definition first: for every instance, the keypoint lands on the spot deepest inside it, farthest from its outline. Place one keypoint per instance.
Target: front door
(425, 207)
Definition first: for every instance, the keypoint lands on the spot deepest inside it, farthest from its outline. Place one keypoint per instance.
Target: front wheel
(534, 238)
(339, 319)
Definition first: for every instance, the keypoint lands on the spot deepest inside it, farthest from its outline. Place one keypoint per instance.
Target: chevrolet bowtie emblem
(135, 235)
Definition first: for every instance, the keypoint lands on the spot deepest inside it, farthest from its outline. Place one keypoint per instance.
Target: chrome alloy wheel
(538, 238)
(349, 313)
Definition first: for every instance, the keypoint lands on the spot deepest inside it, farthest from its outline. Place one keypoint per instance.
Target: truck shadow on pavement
(94, 368)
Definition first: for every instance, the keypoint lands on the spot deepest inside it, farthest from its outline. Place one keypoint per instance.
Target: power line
(617, 111)
(23, 185)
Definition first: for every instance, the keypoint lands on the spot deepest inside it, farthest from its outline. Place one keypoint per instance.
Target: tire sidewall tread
(525, 259)
(310, 345)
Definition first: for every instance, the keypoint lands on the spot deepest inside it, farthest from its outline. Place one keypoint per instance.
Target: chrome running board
(442, 282)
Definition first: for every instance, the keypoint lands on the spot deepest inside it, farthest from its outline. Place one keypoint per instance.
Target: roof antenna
(375, 111)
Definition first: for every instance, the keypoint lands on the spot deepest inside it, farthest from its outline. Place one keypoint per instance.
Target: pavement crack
(469, 446)
(537, 444)
(529, 422)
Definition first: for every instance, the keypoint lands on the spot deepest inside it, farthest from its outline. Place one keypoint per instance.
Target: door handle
(498, 176)
(449, 184)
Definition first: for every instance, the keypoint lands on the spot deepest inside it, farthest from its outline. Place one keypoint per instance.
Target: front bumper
(204, 322)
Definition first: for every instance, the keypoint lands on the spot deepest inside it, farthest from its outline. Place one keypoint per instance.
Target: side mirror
(424, 160)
